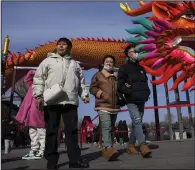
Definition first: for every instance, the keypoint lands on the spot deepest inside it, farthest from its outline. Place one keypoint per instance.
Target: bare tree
(152, 125)
(147, 125)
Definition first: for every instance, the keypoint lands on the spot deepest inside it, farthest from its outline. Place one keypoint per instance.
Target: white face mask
(108, 68)
(134, 57)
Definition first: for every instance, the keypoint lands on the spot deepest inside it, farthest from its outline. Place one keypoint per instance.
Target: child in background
(34, 119)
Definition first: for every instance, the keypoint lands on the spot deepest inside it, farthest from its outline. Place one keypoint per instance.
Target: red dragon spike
(157, 72)
(189, 83)
(9, 61)
(179, 79)
(109, 40)
(103, 39)
(29, 51)
(20, 57)
(171, 70)
(124, 47)
(13, 55)
(123, 55)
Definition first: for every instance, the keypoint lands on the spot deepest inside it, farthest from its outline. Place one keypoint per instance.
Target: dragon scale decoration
(164, 42)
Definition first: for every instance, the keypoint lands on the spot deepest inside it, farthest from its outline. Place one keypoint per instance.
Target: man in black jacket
(133, 83)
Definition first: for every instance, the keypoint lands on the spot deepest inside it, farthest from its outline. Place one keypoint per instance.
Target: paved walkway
(166, 155)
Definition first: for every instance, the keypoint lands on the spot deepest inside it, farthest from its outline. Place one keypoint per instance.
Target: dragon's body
(158, 42)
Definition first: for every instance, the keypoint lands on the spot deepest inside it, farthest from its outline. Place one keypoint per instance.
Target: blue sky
(30, 24)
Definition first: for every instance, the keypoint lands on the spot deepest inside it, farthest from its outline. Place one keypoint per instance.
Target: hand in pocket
(105, 97)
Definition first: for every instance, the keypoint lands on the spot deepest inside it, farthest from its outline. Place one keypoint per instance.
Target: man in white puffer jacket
(50, 72)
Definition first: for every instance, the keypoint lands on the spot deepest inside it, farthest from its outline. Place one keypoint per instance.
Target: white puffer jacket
(50, 72)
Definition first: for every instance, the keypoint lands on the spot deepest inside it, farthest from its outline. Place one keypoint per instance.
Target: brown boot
(145, 151)
(110, 153)
(131, 149)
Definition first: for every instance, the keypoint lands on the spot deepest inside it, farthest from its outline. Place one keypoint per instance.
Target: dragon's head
(160, 44)
(180, 14)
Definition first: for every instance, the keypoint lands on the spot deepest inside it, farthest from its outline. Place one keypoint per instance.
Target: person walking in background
(125, 132)
(146, 132)
(29, 115)
(9, 130)
(120, 134)
(95, 137)
(60, 70)
(104, 88)
(132, 82)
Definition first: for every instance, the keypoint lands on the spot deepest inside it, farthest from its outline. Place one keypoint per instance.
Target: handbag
(57, 90)
(121, 99)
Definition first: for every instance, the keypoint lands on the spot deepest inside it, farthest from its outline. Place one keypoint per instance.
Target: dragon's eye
(189, 16)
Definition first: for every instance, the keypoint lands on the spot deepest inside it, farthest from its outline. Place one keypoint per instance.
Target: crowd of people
(53, 94)
(121, 134)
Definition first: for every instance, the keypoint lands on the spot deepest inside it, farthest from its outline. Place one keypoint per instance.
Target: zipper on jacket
(114, 94)
(113, 90)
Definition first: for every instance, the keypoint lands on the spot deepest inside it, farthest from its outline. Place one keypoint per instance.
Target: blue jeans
(136, 112)
(107, 125)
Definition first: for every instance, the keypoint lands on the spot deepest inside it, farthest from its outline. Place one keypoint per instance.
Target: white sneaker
(39, 155)
(30, 155)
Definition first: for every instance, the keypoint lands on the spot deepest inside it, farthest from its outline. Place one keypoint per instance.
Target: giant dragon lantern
(160, 41)
(162, 51)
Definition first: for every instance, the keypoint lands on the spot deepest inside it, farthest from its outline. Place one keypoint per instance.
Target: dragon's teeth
(176, 41)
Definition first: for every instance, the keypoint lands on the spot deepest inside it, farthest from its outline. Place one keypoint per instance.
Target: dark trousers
(52, 115)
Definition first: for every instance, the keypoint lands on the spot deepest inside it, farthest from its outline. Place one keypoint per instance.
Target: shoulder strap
(65, 71)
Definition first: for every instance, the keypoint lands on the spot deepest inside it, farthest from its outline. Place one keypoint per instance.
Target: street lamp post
(3, 63)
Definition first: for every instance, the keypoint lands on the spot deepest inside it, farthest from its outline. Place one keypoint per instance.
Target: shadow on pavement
(64, 152)
(95, 155)
(22, 167)
(5, 160)
(23, 147)
(89, 157)
(153, 146)
(10, 160)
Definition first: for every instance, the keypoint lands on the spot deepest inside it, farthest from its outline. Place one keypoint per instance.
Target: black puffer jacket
(134, 75)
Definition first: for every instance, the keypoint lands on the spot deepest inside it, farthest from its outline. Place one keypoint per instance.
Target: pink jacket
(28, 113)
